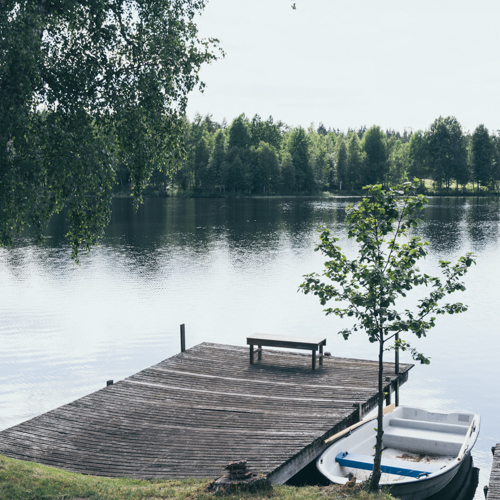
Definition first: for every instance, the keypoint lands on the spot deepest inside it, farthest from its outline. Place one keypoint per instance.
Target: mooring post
(388, 393)
(396, 352)
(183, 337)
(396, 360)
(360, 410)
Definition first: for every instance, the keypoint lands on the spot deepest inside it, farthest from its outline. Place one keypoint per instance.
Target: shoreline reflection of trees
(166, 229)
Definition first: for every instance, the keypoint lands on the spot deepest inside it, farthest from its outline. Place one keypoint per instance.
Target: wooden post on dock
(396, 395)
(492, 490)
(388, 393)
(359, 406)
(183, 337)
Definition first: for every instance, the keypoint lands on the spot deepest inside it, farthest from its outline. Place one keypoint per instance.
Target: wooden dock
(191, 414)
(494, 486)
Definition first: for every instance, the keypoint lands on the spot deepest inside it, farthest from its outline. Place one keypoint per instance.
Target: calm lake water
(227, 269)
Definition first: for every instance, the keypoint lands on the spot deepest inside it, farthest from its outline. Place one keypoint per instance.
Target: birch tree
(370, 286)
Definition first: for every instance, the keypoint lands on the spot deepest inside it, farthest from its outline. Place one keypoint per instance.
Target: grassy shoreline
(30, 481)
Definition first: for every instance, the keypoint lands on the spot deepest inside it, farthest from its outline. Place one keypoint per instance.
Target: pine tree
(481, 155)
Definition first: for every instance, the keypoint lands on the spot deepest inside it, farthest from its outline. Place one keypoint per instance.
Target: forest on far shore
(257, 157)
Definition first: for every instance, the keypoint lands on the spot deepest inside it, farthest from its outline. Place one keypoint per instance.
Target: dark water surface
(227, 269)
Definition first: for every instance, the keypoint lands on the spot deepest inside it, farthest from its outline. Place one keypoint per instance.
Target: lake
(228, 268)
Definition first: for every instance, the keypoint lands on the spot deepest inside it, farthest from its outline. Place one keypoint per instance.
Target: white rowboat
(422, 451)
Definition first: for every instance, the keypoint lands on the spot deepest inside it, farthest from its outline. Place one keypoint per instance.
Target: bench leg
(251, 354)
(314, 360)
(259, 355)
(321, 355)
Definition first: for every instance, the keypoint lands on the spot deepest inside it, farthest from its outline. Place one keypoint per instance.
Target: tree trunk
(380, 425)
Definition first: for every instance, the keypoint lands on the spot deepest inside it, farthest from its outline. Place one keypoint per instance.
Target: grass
(29, 481)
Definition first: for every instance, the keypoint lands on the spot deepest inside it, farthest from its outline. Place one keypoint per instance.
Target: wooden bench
(264, 339)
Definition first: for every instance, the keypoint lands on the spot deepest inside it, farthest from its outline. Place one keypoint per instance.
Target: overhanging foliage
(85, 84)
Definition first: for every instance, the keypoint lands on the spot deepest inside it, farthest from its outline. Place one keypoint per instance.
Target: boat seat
(389, 466)
(429, 440)
(429, 426)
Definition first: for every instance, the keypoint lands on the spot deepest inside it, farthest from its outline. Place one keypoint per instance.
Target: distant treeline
(252, 156)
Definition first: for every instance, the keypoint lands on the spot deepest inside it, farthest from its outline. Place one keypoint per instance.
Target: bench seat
(312, 344)
(429, 426)
(429, 438)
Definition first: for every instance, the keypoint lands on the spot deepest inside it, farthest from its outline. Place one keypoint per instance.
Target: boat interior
(416, 444)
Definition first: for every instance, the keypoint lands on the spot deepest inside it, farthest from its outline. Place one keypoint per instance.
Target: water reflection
(261, 223)
(482, 222)
(227, 268)
(449, 222)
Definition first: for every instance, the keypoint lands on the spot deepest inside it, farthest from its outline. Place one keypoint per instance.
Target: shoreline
(20, 480)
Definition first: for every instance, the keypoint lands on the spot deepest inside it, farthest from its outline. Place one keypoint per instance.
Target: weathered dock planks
(494, 486)
(191, 414)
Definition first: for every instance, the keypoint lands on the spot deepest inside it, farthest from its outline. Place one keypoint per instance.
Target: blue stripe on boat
(390, 466)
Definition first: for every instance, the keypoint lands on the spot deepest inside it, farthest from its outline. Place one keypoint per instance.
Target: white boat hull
(423, 489)
(414, 439)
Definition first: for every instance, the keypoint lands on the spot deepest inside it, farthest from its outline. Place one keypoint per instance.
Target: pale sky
(393, 63)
